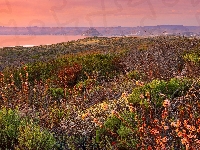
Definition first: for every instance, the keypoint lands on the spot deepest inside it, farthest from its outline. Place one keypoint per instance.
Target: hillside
(102, 93)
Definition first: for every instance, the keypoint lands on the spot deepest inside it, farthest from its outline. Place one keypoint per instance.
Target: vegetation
(102, 93)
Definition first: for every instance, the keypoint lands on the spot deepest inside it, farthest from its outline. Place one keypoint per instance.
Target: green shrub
(176, 87)
(33, 137)
(134, 74)
(9, 124)
(123, 131)
(135, 96)
(113, 124)
(155, 88)
(22, 134)
(173, 88)
(193, 57)
(106, 65)
(56, 93)
(118, 132)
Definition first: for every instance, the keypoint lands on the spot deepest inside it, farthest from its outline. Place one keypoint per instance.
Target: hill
(102, 93)
(91, 32)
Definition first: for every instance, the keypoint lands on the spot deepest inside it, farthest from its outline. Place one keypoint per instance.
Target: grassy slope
(86, 90)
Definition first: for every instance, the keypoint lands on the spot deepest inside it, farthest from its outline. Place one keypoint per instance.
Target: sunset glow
(105, 13)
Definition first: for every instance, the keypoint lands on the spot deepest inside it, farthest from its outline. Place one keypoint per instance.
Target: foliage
(193, 57)
(9, 124)
(33, 137)
(56, 93)
(134, 74)
(86, 101)
(154, 91)
(20, 133)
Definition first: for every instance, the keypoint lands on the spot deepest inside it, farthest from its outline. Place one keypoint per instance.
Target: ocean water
(34, 40)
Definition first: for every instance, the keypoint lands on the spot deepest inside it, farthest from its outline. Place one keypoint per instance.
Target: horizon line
(100, 26)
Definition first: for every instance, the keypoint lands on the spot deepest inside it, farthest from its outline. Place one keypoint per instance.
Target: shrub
(155, 88)
(135, 96)
(112, 124)
(134, 74)
(193, 57)
(153, 91)
(176, 87)
(33, 137)
(9, 124)
(68, 76)
(118, 131)
(56, 93)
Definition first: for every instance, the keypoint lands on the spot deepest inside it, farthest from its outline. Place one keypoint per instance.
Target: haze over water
(34, 40)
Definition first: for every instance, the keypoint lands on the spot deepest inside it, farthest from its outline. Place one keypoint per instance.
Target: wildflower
(184, 141)
(141, 96)
(149, 148)
(173, 124)
(131, 108)
(164, 114)
(184, 131)
(179, 134)
(166, 103)
(85, 115)
(141, 129)
(189, 127)
(154, 131)
(156, 121)
(178, 123)
(164, 140)
(113, 143)
(190, 136)
(147, 94)
(124, 95)
(139, 83)
(166, 127)
(158, 140)
(177, 130)
(185, 122)
(104, 106)
(198, 130)
(193, 128)
(95, 120)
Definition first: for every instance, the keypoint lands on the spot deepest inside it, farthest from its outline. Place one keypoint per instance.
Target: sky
(99, 13)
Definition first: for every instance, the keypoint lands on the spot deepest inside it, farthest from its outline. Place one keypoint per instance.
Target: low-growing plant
(134, 74)
(120, 130)
(155, 90)
(32, 137)
(9, 124)
(136, 94)
(68, 76)
(56, 93)
(193, 57)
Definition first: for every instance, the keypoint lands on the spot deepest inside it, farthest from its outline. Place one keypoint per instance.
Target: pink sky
(105, 13)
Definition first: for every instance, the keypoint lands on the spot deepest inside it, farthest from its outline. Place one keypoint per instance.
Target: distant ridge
(103, 31)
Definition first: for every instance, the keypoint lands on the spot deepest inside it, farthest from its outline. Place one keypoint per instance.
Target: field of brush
(118, 93)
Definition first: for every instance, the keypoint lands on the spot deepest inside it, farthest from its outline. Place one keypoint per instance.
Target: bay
(35, 40)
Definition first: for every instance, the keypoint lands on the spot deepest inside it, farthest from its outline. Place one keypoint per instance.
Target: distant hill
(103, 31)
(91, 32)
